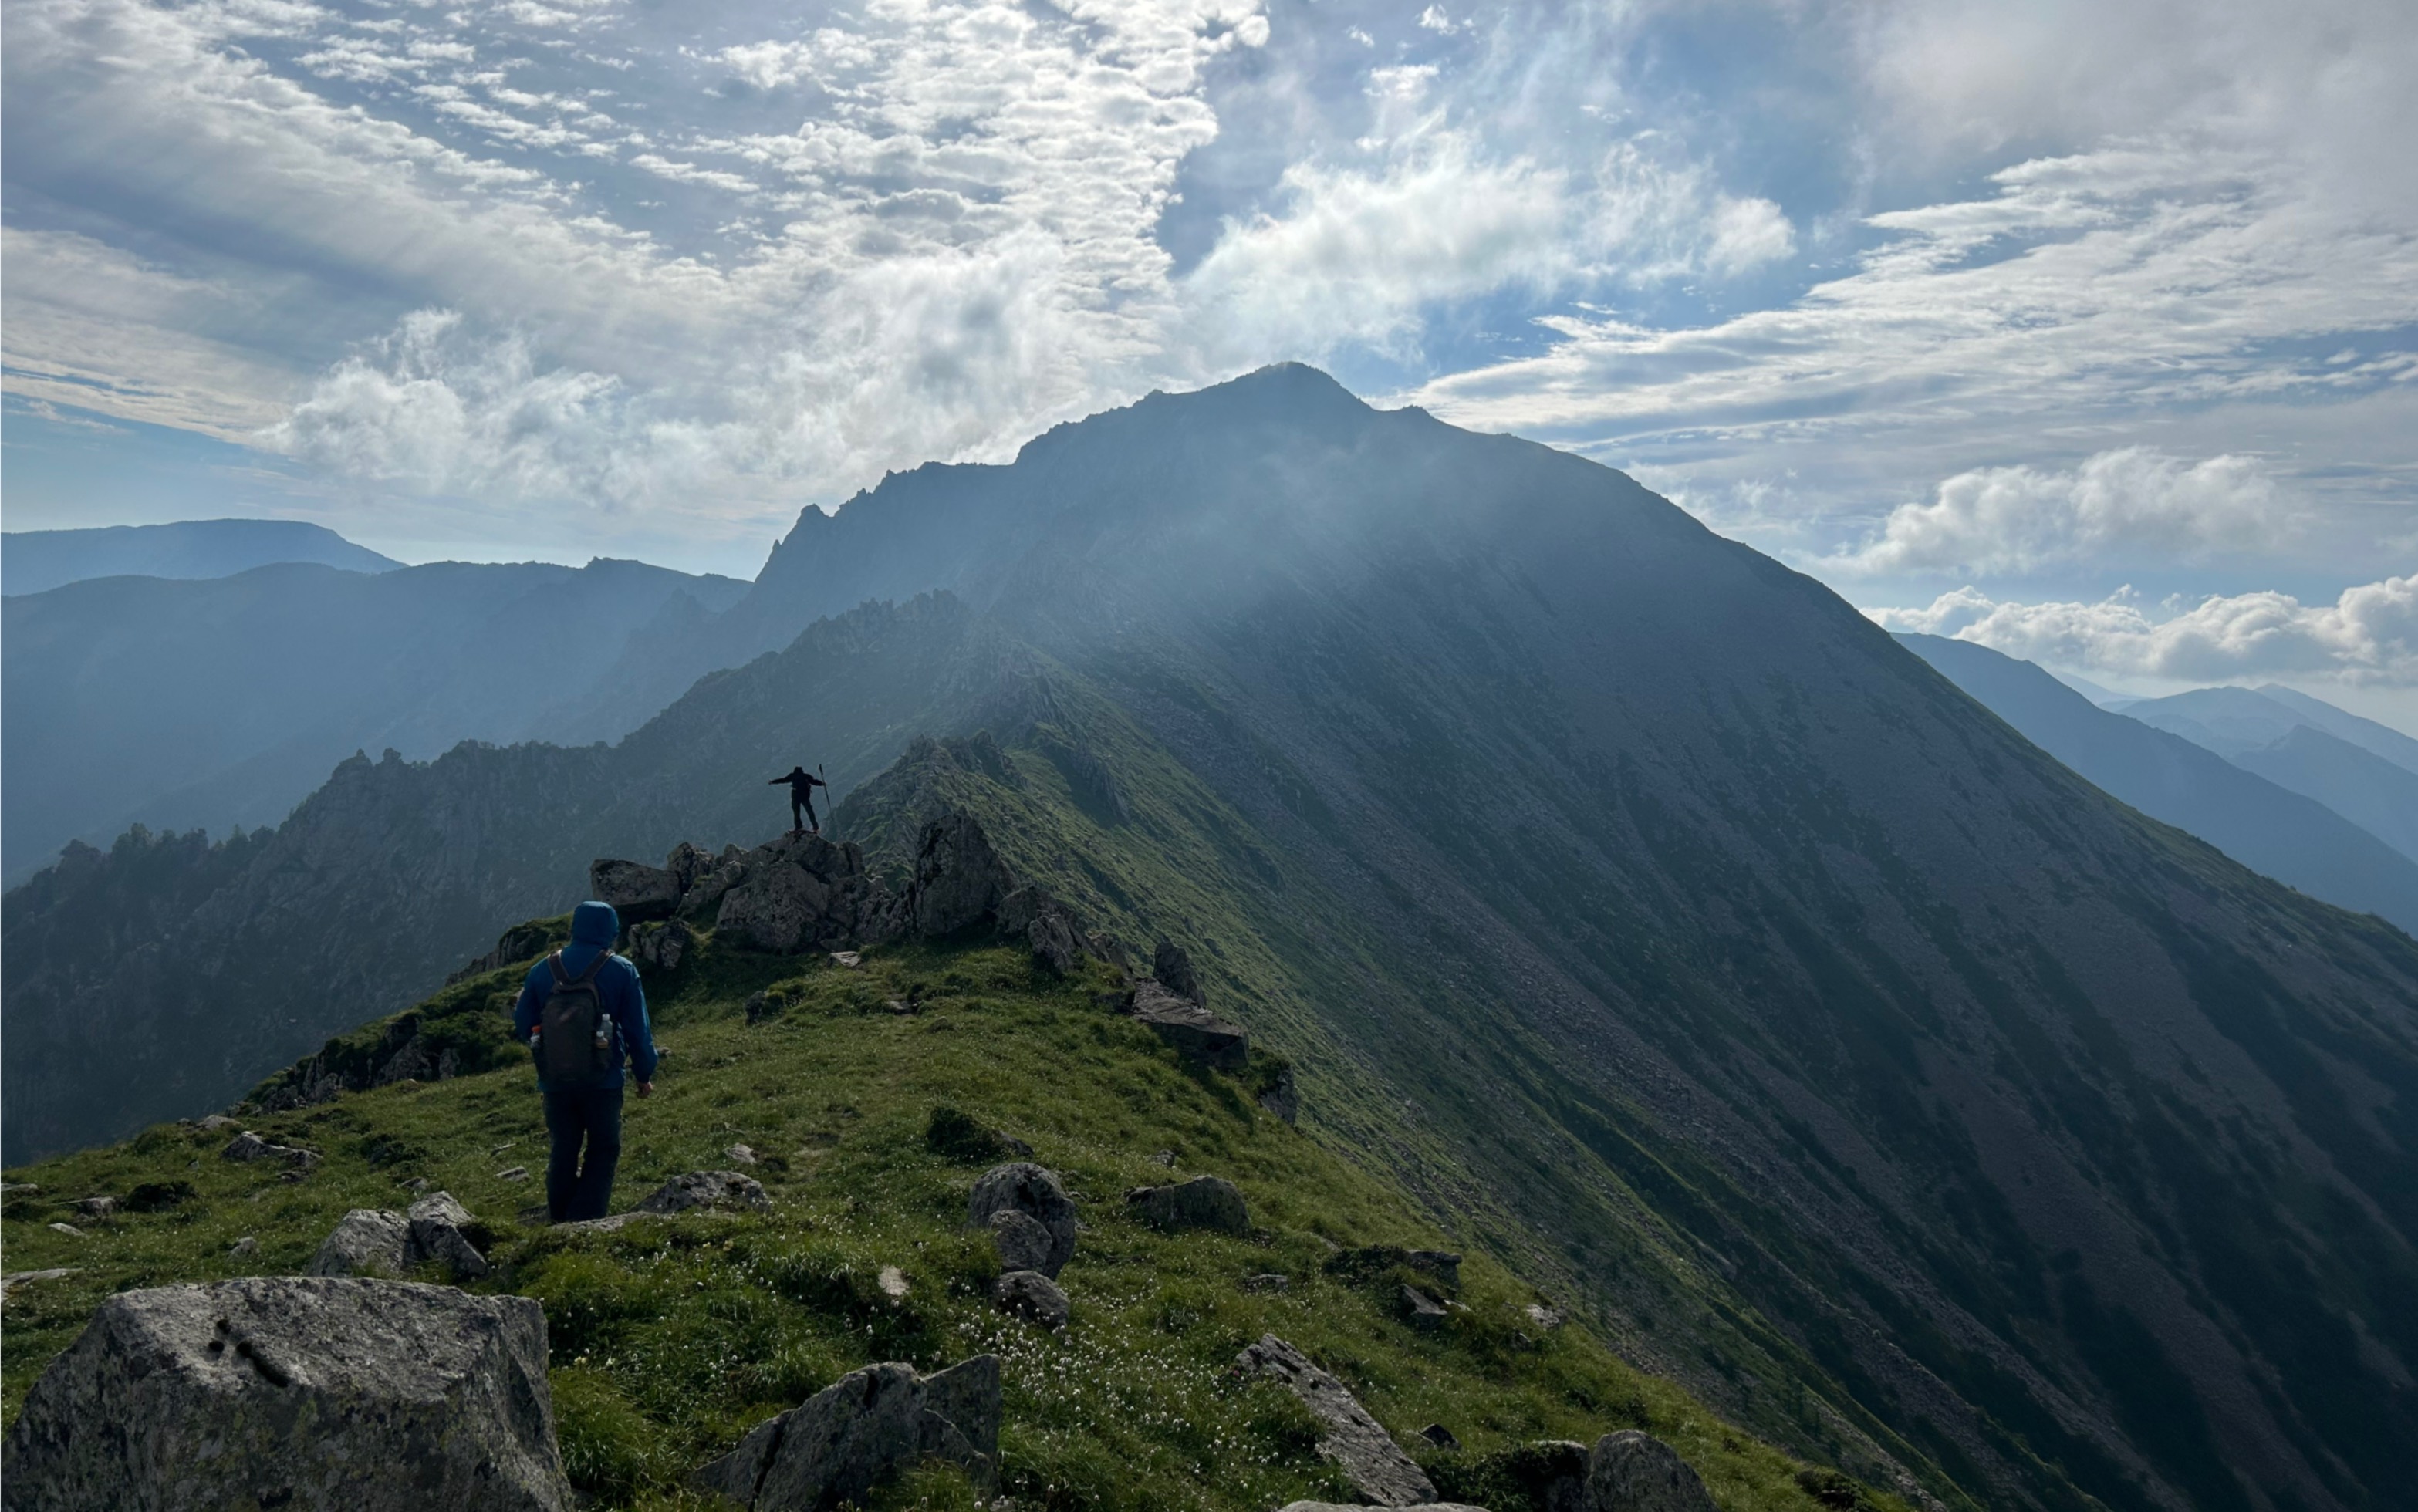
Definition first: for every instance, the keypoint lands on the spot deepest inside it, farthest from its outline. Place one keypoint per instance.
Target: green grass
(671, 1337)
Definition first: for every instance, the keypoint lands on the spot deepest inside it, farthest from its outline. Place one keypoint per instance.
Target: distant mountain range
(1667, 927)
(222, 702)
(36, 562)
(2251, 814)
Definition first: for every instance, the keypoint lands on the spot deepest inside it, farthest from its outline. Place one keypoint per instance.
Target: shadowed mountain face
(2258, 807)
(224, 702)
(36, 562)
(1673, 931)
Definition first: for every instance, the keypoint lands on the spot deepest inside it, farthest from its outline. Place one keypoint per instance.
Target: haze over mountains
(1665, 924)
(35, 561)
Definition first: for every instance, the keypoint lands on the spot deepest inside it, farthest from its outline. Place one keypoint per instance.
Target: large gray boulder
(1633, 1472)
(1033, 1191)
(366, 1242)
(1209, 1202)
(1354, 1440)
(803, 892)
(959, 879)
(860, 1431)
(636, 891)
(1196, 1032)
(306, 1393)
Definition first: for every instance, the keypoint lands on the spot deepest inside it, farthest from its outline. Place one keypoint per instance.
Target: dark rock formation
(1037, 918)
(1172, 968)
(1422, 1311)
(801, 893)
(443, 1230)
(1033, 1191)
(1282, 1096)
(1371, 1261)
(1032, 1294)
(958, 879)
(309, 1394)
(1196, 1033)
(1023, 1244)
(521, 942)
(1210, 1202)
(638, 893)
(1633, 1472)
(1354, 1440)
(859, 1433)
(705, 1189)
(661, 945)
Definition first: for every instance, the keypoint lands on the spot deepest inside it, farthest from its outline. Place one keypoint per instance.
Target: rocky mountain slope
(1653, 917)
(858, 1137)
(36, 562)
(2266, 823)
(224, 702)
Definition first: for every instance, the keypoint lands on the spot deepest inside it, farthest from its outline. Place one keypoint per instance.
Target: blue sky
(2086, 327)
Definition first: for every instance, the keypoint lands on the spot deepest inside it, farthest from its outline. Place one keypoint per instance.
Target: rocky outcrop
(1033, 916)
(1196, 1033)
(1354, 1440)
(862, 1430)
(1033, 1191)
(638, 891)
(1209, 1202)
(959, 879)
(661, 945)
(801, 893)
(1172, 970)
(707, 1190)
(1032, 1294)
(1282, 1096)
(374, 1242)
(309, 1394)
(1633, 1472)
(1372, 1260)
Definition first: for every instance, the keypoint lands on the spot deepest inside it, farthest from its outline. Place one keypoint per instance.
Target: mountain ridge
(38, 560)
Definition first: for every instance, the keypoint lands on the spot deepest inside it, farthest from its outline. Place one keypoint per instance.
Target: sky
(2085, 328)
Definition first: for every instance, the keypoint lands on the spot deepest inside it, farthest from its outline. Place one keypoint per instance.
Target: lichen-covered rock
(636, 891)
(859, 1433)
(1354, 1440)
(705, 1189)
(1196, 1032)
(1032, 1294)
(1633, 1472)
(366, 1242)
(1033, 1191)
(307, 1393)
(1023, 1244)
(1210, 1202)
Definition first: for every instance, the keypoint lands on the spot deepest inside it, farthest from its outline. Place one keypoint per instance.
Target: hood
(595, 923)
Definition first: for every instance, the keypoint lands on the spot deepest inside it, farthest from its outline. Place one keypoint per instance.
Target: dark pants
(807, 803)
(592, 1114)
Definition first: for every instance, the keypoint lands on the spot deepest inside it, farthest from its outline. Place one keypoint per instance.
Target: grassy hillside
(671, 1336)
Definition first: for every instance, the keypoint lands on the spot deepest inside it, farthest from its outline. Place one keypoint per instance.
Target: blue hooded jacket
(594, 927)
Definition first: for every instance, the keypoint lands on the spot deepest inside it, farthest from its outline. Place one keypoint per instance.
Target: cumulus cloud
(2368, 635)
(2132, 501)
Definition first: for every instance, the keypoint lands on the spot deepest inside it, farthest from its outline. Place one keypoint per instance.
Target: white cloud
(2119, 505)
(2370, 634)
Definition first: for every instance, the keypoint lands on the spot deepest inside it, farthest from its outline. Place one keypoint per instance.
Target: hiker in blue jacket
(586, 1108)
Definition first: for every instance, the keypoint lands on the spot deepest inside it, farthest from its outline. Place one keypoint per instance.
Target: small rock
(1164, 1157)
(1033, 1191)
(893, 1282)
(852, 960)
(1354, 1440)
(318, 1392)
(1195, 1033)
(740, 1155)
(1023, 1244)
(17, 1188)
(217, 1122)
(1281, 1097)
(441, 1231)
(1032, 1294)
(707, 1190)
(536, 1215)
(1633, 1472)
(1545, 1317)
(1439, 1435)
(512, 1174)
(759, 1007)
(96, 1207)
(367, 1241)
(1267, 1281)
(67, 1228)
(418, 1184)
(244, 1249)
(17, 1278)
(251, 1146)
(1210, 1202)
(861, 1431)
(1344, 1506)
(1421, 1311)
(896, 1005)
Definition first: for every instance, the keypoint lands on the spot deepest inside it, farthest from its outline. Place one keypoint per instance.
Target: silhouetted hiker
(582, 1012)
(801, 797)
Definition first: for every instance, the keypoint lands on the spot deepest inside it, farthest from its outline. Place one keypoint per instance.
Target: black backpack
(575, 1042)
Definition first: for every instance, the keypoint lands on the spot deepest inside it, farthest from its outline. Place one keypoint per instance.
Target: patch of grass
(672, 1337)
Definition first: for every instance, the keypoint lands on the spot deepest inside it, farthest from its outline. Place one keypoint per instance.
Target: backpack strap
(553, 964)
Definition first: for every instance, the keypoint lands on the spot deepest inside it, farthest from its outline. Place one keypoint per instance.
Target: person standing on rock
(801, 798)
(583, 1013)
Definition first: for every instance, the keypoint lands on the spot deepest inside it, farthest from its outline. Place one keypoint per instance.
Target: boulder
(1633, 1472)
(1421, 1311)
(638, 891)
(443, 1230)
(366, 1242)
(1354, 1440)
(1196, 1033)
(1033, 1191)
(1023, 1244)
(1172, 970)
(1203, 1203)
(959, 879)
(1032, 915)
(1282, 1096)
(1032, 1294)
(862, 1430)
(308, 1394)
(251, 1146)
(707, 1190)
(96, 1207)
(662, 944)
(801, 893)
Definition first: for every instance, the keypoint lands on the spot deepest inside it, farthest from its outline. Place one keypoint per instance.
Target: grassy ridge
(671, 1336)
